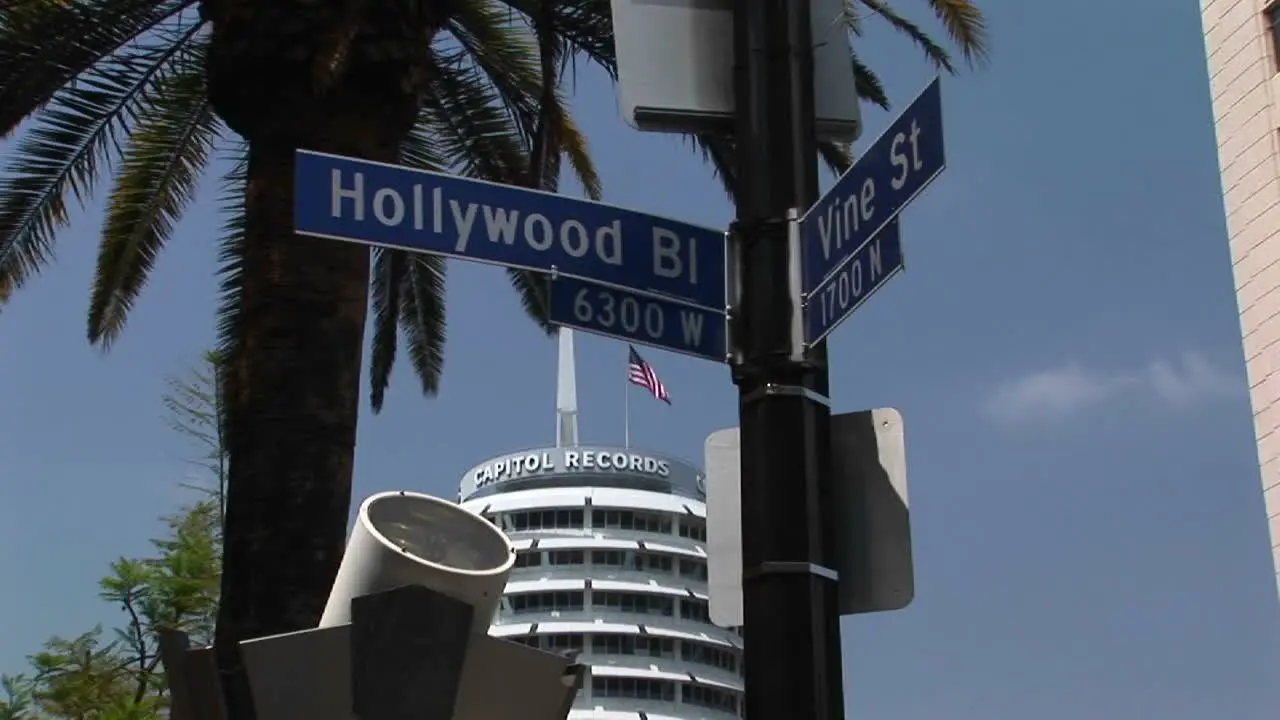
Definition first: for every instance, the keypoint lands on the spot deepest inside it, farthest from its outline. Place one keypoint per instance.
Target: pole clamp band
(760, 229)
(791, 568)
(792, 390)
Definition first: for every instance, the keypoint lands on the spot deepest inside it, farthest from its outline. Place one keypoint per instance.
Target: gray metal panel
(205, 684)
(307, 676)
(874, 558)
(304, 675)
(868, 455)
(675, 61)
(503, 680)
(174, 645)
(409, 644)
(195, 686)
(724, 527)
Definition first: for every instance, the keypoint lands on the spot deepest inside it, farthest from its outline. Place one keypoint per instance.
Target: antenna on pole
(566, 393)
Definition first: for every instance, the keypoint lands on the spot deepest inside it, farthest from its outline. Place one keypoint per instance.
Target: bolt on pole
(791, 628)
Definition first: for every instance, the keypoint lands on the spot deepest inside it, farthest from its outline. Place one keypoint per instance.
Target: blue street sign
(868, 268)
(897, 166)
(641, 319)
(374, 203)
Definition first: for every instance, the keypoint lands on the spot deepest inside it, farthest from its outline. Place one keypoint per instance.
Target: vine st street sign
(866, 270)
(862, 204)
(888, 175)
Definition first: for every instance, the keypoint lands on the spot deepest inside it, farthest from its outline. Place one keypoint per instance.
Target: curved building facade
(611, 565)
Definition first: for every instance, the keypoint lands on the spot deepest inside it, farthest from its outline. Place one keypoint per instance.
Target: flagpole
(626, 412)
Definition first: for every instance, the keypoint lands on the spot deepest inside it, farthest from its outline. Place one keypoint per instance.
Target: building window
(609, 558)
(540, 602)
(696, 610)
(640, 688)
(694, 529)
(564, 557)
(528, 559)
(695, 569)
(1272, 17)
(630, 520)
(614, 644)
(546, 520)
(633, 603)
(709, 697)
(652, 562)
(555, 642)
(646, 562)
(709, 655)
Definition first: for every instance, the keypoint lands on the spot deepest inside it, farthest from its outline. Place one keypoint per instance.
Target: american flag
(642, 373)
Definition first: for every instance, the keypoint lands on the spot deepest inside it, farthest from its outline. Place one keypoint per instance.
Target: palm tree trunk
(294, 379)
(292, 375)
(345, 77)
(292, 417)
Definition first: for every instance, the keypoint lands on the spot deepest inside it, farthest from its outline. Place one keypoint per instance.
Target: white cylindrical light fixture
(403, 538)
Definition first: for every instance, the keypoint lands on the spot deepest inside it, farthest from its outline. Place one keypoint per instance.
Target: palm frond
(718, 151)
(421, 149)
(481, 116)
(544, 157)
(585, 26)
(163, 163)
(573, 143)
(852, 18)
(422, 318)
(531, 92)
(475, 135)
(505, 53)
(45, 44)
(532, 288)
(230, 271)
(504, 56)
(499, 46)
(534, 291)
(74, 138)
(935, 52)
(388, 285)
(966, 26)
(836, 156)
(384, 289)
(868, 85)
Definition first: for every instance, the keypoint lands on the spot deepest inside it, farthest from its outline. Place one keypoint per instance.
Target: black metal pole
(791, 629)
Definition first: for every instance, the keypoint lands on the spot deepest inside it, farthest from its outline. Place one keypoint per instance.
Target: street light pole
(791, 628)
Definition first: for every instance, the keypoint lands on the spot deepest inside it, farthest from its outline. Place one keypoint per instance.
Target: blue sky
(1089, 530)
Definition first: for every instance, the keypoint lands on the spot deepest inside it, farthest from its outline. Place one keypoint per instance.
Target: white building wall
(1245, 85)
(591, 579)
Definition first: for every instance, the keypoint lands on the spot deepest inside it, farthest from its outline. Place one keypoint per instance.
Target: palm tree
(152, 90)
(149, 91)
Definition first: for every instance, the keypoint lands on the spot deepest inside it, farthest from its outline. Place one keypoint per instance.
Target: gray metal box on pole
(676, 65)
(873, 542)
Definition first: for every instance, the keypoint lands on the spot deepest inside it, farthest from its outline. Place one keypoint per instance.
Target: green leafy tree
(16, 703)
(117, 676)
(148, 91)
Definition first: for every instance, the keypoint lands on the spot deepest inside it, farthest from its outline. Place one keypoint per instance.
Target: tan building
(1241, 41)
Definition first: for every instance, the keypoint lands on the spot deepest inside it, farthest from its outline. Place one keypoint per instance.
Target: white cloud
(1194, 380)
(1049, 394)
(1058, 392)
